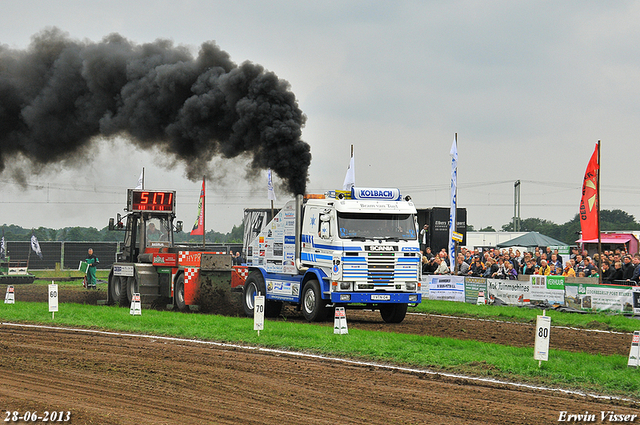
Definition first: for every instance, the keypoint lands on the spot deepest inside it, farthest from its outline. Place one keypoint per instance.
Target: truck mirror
(178, 226)
(112, 225)
(325, 232)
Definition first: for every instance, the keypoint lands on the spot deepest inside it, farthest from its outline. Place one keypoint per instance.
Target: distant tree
(487, 229)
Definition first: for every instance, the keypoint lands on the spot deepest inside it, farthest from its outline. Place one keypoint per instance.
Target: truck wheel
(313, 306)
(178, 293)
(114, 295)
(132, 288)
(393, 313)
(253, 285)
(119, 290)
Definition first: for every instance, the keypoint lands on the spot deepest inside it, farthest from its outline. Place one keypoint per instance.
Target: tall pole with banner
(454, 195)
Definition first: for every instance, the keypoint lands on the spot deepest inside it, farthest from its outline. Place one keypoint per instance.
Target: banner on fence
(446, 288)
(472, 287)
(549, 289)
(594, 297)
(636, 300)
(424, 286)
(511, 292)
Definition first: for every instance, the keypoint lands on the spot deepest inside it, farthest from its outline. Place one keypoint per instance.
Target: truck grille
(380, 270)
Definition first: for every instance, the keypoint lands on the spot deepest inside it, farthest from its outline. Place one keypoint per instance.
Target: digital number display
(142, 200)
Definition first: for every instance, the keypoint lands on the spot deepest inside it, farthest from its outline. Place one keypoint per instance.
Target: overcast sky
(529, 87)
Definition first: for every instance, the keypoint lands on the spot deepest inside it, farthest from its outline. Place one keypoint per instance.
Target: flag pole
(142, 178)
(204, 231)
(598, 212)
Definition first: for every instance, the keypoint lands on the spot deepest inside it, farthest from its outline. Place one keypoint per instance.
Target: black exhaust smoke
(59, 94)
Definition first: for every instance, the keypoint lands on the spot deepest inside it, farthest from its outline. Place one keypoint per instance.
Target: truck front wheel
(253, 285)
(118, 288)
(393, 313)
(313, 306)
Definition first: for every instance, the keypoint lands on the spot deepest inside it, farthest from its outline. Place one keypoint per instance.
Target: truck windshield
(376, 226)
(158, 232)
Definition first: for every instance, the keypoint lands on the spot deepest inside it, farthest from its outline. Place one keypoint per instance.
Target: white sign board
(136, 307)
(634, 353)
(10, 298)
(541, 347)
(123, 270)
(53, 298)
(340, 322)
(258, 313)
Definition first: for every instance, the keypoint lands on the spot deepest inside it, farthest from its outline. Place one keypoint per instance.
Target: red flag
(198, 226)
(590, 204)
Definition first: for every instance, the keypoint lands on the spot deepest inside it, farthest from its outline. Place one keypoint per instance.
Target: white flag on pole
(350, 178)
(35, 245)
(271, 194)
(141, 180)
(452, 213)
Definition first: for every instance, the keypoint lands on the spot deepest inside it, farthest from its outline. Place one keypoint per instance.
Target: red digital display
(148, 200)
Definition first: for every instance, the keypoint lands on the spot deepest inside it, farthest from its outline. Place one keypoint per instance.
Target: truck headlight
(347, 297)
(411, 286)
(345, 285)
(413, 298)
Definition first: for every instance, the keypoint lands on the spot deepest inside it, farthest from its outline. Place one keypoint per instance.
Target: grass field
(590, 373)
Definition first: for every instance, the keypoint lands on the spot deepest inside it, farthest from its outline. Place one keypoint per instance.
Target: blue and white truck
(356, 249)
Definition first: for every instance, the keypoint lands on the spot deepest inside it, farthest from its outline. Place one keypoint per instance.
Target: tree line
(91, 234)
(569, 232)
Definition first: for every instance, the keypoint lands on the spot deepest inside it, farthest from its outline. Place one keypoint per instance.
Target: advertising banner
(511, 292)
(446, 288)
(594, 297)
(549, 289)
(473, 285)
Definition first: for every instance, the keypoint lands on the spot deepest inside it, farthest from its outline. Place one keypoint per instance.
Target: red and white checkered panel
(190, 275)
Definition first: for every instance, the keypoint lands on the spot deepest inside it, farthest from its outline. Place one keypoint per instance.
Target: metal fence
(67, 255)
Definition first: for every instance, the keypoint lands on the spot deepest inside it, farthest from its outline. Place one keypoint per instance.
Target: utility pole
(516, 206)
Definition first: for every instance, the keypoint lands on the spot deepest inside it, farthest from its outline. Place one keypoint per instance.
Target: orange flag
(590, 204)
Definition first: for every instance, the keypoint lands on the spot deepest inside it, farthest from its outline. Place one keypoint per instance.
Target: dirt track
(107, 379)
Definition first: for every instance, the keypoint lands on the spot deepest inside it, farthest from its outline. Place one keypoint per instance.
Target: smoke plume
(59, 94)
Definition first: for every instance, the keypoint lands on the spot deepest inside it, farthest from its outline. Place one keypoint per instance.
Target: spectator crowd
(617, 266)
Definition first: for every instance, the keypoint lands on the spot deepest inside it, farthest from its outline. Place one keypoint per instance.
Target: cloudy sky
(529, 87)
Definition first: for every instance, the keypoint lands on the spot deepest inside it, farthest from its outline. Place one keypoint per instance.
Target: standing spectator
(491, 268)
(463, 267)
(442, 266)
(512, 273)
(607, 273)
(544, 270)
(627, 268)
(617, 271)
(636, 268)
(476, 268)
(428, 254)
(568, 270)
(424, 237)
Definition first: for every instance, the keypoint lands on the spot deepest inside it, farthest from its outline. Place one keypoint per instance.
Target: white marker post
(258, 313)
(481, 299)
(340, 322)
(53, 299)
(634, 353)
(541, 347)
(10, 297)
(136, 307)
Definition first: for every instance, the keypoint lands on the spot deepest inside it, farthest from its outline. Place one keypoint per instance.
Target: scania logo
(381, 248)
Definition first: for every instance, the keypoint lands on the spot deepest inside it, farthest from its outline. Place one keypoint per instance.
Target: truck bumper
(376, 297)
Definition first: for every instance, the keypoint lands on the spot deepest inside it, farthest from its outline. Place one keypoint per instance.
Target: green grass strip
(604, 321)
(585, 372)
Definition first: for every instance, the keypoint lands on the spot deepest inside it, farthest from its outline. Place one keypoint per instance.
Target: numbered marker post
(258, 313)
(136, 307)
(481, 299)
(541, 348)
(634, 353)
(10, 297)
(340, 322)
(53, 299)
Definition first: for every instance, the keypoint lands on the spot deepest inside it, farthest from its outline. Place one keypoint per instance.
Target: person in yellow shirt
(544, 270)
(568, 271)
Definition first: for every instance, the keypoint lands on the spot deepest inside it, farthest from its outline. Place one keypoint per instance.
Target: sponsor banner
(512, 292)
(424, 286)
(472, 288)
(122, 270)
(165, 259)
(279, 288)
(636, 300)
(594, 297)
(549, 289)
(446, 288)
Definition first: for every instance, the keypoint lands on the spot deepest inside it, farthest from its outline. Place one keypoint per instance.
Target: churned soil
(108, 378)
